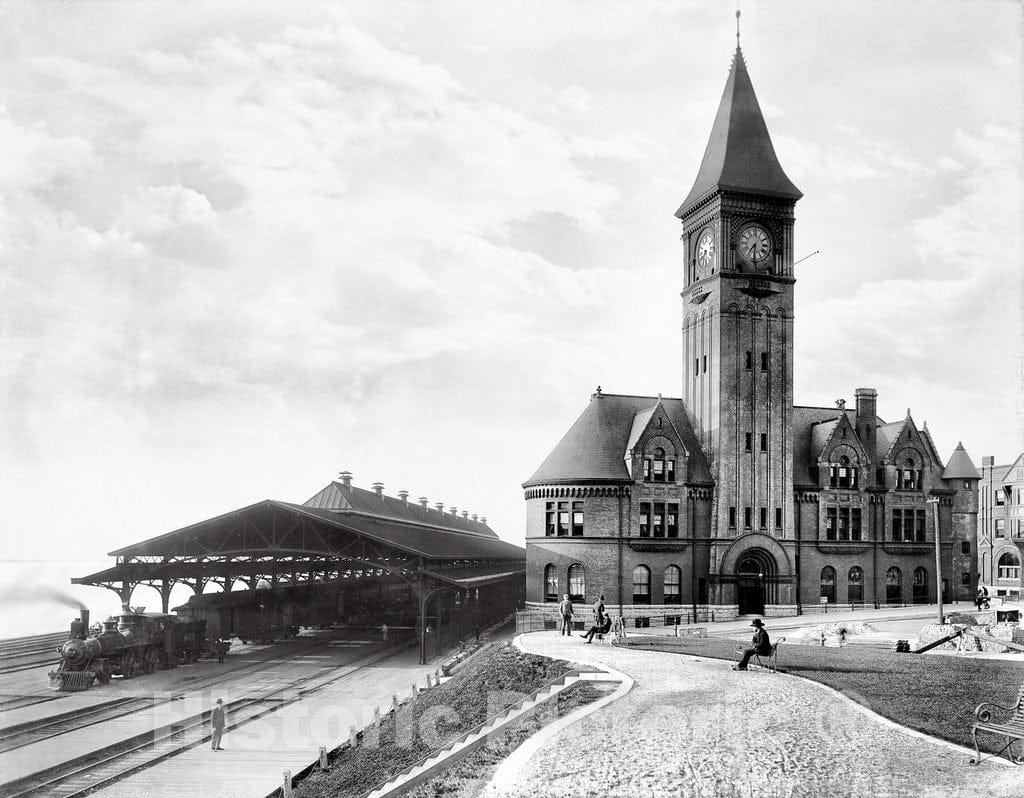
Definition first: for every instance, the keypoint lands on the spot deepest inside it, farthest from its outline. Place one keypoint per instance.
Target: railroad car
(128, 644)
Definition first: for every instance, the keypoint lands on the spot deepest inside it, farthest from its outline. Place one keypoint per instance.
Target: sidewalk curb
(507, 773)
(888, 722)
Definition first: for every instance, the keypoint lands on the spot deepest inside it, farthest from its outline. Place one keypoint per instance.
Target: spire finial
(737, 24)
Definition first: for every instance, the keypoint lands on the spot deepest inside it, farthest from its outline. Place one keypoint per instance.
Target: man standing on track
(217, 719)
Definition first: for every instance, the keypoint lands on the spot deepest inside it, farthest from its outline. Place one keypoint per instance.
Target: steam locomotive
(129, 644)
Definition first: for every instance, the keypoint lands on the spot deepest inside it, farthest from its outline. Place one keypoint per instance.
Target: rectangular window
(704, 370)
(747, 439)
(897, 525)
(764, 441)
(732, 517)
(965, 578)
(750, 360)
(670, 470)
(696, 366)
(998, 492)
(658, 520)
(658, 471)
(563, 518)
(549, 525)
(919, 526)
(880, 476)
(672, 520)
(855, 532)
(645, 519)
(746, 517)
(844, 524)
(778, 518)
(831, 522)
(577, 518)
(965, 547)
(647, 470)
(764, 517)
(967, 484)
(764, 361)
(1000, 528)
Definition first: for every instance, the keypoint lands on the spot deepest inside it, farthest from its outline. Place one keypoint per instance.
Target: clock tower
(738, 319)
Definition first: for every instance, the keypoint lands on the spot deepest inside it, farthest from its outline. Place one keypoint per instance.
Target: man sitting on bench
(762, 645)
(603, 626)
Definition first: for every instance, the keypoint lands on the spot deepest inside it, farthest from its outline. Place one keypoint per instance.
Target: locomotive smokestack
(84, 614)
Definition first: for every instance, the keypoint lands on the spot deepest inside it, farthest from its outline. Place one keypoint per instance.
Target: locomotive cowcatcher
(128, 644)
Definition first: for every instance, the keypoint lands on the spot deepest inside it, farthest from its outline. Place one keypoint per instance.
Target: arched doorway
(755, 581)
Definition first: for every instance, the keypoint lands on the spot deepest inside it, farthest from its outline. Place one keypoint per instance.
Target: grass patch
(467, 777)
(935, 694)
(493, 680)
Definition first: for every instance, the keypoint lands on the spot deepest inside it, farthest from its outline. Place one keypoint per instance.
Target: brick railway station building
(1001, 527)
(733, 499)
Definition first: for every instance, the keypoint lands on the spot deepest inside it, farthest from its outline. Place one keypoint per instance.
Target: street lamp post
(934, 502)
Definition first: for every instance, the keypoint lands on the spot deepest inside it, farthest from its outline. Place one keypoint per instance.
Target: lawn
(935, 694)
(496, 678)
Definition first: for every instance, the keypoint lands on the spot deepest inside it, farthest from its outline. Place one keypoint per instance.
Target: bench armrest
(983, 712)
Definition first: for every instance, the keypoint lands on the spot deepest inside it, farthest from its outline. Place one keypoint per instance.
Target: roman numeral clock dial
(755, 246)
(705, 254)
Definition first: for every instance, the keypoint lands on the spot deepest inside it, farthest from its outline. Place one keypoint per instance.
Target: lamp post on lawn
(934, 502)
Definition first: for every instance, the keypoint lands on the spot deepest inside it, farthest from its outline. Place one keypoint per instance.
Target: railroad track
(97, 769)
(33, 644)
(9, 702)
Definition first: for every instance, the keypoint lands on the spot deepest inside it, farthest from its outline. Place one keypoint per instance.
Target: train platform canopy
(342, 532)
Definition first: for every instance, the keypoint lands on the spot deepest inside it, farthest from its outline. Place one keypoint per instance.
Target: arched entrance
(755, 581)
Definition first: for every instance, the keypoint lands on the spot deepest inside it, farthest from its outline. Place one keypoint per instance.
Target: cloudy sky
(245, 246)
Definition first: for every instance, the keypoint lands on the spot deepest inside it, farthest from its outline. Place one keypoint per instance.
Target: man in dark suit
(565, 608)
(217, 719)
(762, 645)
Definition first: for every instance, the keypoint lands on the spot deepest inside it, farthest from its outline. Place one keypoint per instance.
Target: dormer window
(659, 468)
(842, 474)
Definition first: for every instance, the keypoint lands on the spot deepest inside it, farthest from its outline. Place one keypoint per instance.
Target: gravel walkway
(694, 727)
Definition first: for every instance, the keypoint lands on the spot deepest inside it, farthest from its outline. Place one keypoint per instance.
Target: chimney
(474, 518)
(483, 520)
(423, 502)
(465, 513)
(440, 507)
(989, 461)
(867, 431)
(404, 496)
(454, 510)
(378, 488)
(346, 479)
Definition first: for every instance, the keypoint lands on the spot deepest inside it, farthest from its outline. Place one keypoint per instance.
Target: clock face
(755, 245)
(705, 252)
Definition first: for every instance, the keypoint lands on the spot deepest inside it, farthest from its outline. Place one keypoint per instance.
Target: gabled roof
(960, 465)
(595, 445)
(820, 434)
(804, 420)
(337, 496)
(739, 155)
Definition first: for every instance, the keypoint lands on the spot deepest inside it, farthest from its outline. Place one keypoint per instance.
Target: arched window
(894, 586)
(641, 585)
(920, 588)
(550, 583)
(1008, 567)
(909, 476)
(842, 473)
(828, 584)
(577, 583)
(673, 585)
(658, 467)
(855, 585)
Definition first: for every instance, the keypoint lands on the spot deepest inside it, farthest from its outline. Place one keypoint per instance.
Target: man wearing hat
(762, 645)
(217, 719)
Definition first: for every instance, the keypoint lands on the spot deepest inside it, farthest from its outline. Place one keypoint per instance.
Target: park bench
(1012, 729)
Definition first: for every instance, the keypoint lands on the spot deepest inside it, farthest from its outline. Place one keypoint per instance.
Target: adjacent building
(732, 498)
(1001, 527)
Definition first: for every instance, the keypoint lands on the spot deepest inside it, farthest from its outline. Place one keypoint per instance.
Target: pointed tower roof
(960, 465)
(739, 155)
